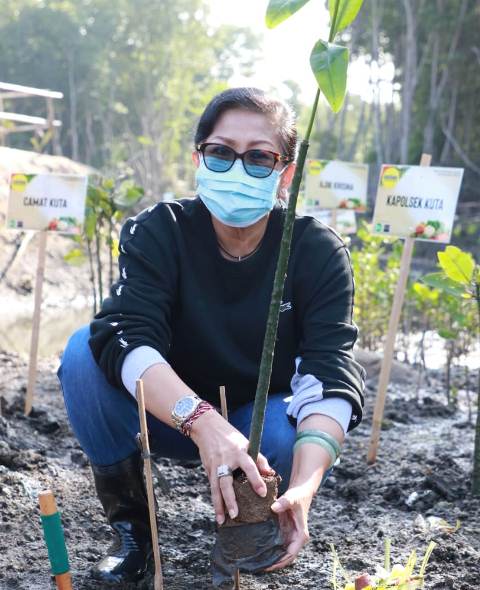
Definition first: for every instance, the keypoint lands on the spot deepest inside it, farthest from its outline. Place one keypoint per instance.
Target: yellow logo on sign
(315, 167)
(19, 183)
(390, 177)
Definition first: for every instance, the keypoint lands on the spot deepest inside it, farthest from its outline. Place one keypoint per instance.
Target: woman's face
(244, 130)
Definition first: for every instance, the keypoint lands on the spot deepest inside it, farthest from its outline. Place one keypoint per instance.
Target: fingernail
(262, 491)
(275, 506)
(233, 513)
(220, 518)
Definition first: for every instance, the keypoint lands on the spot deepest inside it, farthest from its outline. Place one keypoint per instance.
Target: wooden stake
(333, 219)
(390, 340)
(48, 507)
(223, 404)
(32, 364)
(158, 580)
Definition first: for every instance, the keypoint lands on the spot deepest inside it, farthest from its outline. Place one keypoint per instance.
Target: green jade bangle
(317, 441)
(323, 435)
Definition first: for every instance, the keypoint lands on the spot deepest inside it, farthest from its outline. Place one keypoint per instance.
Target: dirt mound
(401, 373)
(423, 470)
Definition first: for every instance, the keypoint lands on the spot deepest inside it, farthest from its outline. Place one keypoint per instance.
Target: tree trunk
(350, 153)
(72, 92)
(452, 112)
(377, 115)
(437, 85)
(409, 79)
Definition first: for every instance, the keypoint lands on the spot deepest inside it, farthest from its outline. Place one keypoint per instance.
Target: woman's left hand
(292, 509)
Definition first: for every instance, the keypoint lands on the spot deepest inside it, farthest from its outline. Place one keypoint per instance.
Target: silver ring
(224, 471)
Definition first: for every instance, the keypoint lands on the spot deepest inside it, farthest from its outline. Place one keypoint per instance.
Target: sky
(287, 47)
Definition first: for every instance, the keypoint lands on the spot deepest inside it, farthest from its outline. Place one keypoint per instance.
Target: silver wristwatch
(184, 408)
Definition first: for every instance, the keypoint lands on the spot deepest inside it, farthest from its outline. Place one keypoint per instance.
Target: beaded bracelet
(324, 435)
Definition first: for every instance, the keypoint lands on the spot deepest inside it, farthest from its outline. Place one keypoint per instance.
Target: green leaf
(456, 264)
(90, 223)
(144, 140)
(280, 10)
(439, 281)
(329, 64)
(108, 184)
(347, 12)
(424, 292)
(447, 334)
(75, 257)
(128, 194)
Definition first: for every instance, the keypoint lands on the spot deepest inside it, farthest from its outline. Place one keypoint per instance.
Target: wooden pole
(48, 507)
(158, 580)
(390, 340)
(32, 364)
(333, 219)
(223, 404)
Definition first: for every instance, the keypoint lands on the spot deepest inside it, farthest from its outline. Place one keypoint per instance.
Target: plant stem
(99, 265)
(266, 362)
(110, 253)
(92, 275)
(476, 451)
(263, 385)
(334, 22)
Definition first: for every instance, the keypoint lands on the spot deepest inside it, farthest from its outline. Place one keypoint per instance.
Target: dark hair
(257, 101)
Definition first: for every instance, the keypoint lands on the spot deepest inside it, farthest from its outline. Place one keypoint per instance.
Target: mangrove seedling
(255, 525)
(460, 276)
(329, 63)
(386, 577)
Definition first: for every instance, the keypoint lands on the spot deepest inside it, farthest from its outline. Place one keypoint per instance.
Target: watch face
(185, 406)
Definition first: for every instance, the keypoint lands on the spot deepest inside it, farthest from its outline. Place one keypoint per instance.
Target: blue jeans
(105, 420)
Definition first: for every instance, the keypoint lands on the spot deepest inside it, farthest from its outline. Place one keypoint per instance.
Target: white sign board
(345, 223)
(331, 184)
(52, 202)
(417, 202)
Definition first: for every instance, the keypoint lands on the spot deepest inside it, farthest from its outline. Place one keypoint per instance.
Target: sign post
(32, 363)
(396, 189)
(45, 203)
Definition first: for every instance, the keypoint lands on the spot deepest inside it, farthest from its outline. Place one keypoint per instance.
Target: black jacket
(207, 315)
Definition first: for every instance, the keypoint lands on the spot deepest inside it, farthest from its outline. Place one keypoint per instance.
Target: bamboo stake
(389, 348)
(32, 364)
(223, 404)
(48, 507)
(158, 580)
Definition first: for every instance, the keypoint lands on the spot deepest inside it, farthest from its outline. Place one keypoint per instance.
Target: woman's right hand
(219, 443)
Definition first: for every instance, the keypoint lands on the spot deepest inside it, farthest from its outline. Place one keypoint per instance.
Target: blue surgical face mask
(234, 197)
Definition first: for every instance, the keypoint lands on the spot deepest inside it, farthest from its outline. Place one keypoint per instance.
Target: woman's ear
(196, 158)
(287, 176)
(285, 182)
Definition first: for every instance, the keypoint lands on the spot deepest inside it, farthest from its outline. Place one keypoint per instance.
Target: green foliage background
(135, 75)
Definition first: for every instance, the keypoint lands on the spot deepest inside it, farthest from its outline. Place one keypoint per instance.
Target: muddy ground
(426, 448)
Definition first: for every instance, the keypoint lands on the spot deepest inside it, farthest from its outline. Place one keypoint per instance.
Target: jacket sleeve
(328, 332)
(138, 311)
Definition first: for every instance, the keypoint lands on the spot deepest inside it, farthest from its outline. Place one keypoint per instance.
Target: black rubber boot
(121, 490)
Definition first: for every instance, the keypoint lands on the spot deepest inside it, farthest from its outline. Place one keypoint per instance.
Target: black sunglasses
(257, 163)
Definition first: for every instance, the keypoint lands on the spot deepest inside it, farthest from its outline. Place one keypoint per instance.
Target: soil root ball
(252, 541)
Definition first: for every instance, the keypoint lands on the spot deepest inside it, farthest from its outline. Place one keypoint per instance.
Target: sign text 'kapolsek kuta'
(417, 202)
